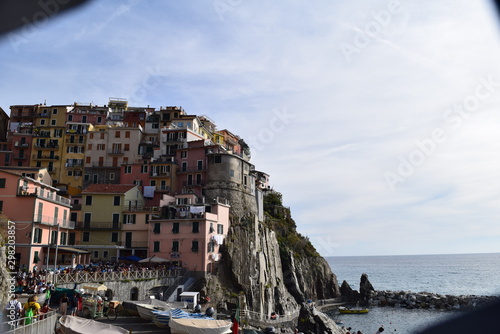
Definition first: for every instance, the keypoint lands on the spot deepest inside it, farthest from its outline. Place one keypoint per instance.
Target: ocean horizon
(447, 274)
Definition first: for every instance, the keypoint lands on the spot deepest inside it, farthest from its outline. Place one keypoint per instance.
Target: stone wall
(122, 290)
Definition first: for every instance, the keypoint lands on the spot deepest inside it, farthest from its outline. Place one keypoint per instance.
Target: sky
(376, 120)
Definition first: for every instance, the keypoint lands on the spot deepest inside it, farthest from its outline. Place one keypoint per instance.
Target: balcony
(21, 144)
(73, 165)
(40, 193)
(76, 131)
(99, 225)
(196, 183)
(51, 221)
(45, 157)
(133, 244)
(162, 188)
(20, 157)
(52, 170)
(75, 142)
(161, 174)
(46, 146)
(116, 152)
(191, 170)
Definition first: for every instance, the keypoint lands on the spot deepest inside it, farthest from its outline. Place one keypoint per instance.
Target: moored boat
(348, 310)
(162, 318)
(69, 324)
(146, 310)
(199, 326)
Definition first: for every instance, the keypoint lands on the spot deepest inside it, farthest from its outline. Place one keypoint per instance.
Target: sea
(457, 274)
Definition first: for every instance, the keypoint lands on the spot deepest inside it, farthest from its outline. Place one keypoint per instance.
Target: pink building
(44, 231)
(190, 233)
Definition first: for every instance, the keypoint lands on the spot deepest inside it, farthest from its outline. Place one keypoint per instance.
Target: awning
(73, 250)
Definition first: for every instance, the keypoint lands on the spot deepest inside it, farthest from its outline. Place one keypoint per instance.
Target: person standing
(31, 308)
(63, 304)
(13, 310)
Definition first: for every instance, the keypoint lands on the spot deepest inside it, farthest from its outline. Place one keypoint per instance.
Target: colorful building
(44, 231)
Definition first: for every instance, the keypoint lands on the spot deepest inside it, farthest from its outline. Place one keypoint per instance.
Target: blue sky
(377, 120)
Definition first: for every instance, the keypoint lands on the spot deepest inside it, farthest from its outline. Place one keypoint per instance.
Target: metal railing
(180, 280)
(50, 220)
(40, 324)
(86, 277)
(262, 320)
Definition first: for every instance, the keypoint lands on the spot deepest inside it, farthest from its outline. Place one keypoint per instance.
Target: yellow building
(104, 207)
(48, 140)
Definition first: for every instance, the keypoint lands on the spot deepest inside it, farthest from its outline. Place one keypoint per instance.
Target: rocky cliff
(269, 267)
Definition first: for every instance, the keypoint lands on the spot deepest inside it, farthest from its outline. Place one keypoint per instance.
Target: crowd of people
(36, 281)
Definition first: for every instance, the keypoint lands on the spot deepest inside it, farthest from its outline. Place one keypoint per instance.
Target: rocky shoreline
(368, 296)
(427, 300)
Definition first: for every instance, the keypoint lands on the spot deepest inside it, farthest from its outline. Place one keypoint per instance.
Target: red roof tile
(108, 188)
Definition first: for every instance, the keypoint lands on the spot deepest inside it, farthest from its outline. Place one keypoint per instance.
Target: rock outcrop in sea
(368, 296)
(269, 267)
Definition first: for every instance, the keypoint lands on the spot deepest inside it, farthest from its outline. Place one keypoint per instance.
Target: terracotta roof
(108, 188)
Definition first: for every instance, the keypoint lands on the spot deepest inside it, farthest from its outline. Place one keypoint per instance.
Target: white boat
(199, 326)
(162, 318)
(146, 310)
(69, 324)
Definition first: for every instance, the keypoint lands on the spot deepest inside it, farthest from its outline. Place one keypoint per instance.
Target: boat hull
(344, 310)
(75, 325)
(199, 326)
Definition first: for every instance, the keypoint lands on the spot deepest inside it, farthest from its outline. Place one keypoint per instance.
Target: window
(127, 134)
(64, 237)
(86, 236)
(194, 246)
(210, 246)
(87, 176)
(220, 229)
(175, 246)
(184, 154)
(126, 147)
(128, 169)
(99, 120)
(105, 254)
(156, 229)
(156, 246)
(200, 164)
(53, 122)
(88, 200)
(117, 134)
(111, 176)
(217, 159)
(147, 219)
(144, 168)
(87, 217)
(42, 122)
(70, 118)
(175, 228)
(184, 166)
(211, 228)
(129, 219)
(231, 172)
(101, 147)
(116, 219)
(1, 206)
(54, 111)
(58, 133)
(102, 135)
(116, 200)
(37, 238)
(89, 147)
(196, 227)
(96, 254)
(88, 160)
(2, 183)
(114, 237)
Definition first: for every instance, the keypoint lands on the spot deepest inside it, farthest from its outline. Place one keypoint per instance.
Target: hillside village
(86, 183)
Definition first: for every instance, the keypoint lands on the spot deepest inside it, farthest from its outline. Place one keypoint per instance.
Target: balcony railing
(133, 244)
(110, 276)
(75, 142)
(191, 170)
(116, 152)
(18, 144)
(195, 183)
(99, 225)
(20, 157)
(160, 174)
(46, 146)
(44, 194)
(45, 157)
(50, 220)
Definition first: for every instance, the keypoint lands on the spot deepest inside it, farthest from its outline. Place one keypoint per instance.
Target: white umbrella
(155, 259)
